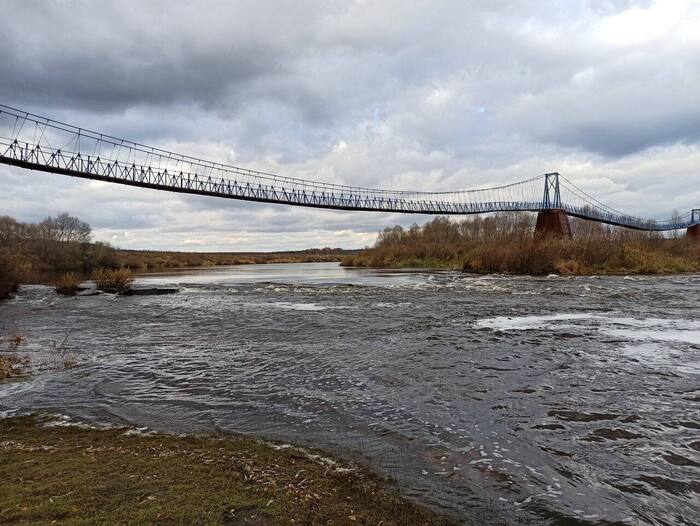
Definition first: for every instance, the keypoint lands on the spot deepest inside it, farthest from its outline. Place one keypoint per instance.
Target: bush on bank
(14, 270)
(117, 281)
(30, 251)
(505, 244)
(68, 284)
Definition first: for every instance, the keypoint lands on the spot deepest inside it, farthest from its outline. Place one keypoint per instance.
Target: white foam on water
(661, 329)
(391, 305)
(297, 306)
(660, 354)
(523, 323)
(662, 335)
(655, 342)
(660, 323)
(300, 306)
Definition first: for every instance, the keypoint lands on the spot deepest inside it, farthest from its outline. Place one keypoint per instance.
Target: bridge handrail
(269, 187)
(143, 148)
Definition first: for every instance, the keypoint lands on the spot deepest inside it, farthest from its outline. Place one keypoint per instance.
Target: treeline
(145, 259)
(504, 243)
(31, 252)
(61, 243)
(56, 243)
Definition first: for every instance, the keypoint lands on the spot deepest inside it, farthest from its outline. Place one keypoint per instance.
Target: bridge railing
(87, 166)
(32, 141)
(40, 131)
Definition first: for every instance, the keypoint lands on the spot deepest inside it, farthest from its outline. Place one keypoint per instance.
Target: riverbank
(506, 246)
(42, 252)
(77, 475)
(152, 259)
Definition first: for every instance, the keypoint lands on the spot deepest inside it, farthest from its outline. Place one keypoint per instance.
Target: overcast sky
(433, 95)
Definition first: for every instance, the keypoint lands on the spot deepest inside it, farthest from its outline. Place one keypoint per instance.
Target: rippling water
(552, 400)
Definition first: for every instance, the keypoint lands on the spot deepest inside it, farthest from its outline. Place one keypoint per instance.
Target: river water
(542, 400)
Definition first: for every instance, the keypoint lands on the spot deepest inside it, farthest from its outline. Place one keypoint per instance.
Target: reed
(505, 244)
(68, 284)
(115, 281)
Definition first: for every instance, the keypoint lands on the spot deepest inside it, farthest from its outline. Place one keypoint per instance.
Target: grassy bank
(504, 244)
(150, 259)
(116, 476)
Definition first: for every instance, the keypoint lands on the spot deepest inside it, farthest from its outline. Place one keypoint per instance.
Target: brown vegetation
(36, 251)
(11, 366)
(14, 270)
(117, 281)
(55, 244)
(68, 284)
(504, 244)
(74, 475)
(149, 259)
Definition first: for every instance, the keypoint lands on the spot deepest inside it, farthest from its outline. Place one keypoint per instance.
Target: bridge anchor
(552, 224)
(693, 232)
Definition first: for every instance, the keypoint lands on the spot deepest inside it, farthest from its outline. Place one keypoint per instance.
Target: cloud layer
(424, 95)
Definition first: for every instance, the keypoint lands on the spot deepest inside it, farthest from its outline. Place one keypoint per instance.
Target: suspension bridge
(38, 143)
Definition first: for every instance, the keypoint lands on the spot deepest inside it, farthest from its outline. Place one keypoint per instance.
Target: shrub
(6, 367)
(505, 244)
(12, 366)
(119, 280)
(68, 284)
(13, 271)
(568, 267)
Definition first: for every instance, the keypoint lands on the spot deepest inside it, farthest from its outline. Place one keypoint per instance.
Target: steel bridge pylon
(552, 219)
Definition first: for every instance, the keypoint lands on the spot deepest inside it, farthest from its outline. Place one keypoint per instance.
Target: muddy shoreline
(57, 469)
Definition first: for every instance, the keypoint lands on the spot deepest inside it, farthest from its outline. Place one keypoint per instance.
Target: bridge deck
(25, 142)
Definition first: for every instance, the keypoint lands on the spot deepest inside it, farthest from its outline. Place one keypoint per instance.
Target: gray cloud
(436, 95)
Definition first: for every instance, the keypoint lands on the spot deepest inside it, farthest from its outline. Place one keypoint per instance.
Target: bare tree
(675, 218)
(65, 228)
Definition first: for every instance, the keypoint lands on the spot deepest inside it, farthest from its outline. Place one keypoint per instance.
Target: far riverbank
(505, 245)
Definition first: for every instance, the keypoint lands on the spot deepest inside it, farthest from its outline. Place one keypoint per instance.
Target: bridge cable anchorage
(98, 156)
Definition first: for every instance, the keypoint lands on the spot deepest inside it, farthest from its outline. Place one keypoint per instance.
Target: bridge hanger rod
(143, 148)
(209, 178)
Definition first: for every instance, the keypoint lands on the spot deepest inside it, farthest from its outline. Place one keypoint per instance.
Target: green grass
(82, 476)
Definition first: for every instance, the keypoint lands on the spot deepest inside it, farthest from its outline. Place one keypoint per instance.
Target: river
(545, 400)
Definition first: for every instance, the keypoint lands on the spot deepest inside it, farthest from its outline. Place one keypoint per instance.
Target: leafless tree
(65, 228)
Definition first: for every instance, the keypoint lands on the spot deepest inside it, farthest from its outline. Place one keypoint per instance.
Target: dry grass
(14, 270)
(68, 284)
(117, 281)
(148, 259)
(6, 367)
(78, 476)
(13, 366)
(505, 245)
(13, 335)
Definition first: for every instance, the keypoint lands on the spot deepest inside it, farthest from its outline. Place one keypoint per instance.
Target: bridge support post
(552, 224)
(693, 232)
